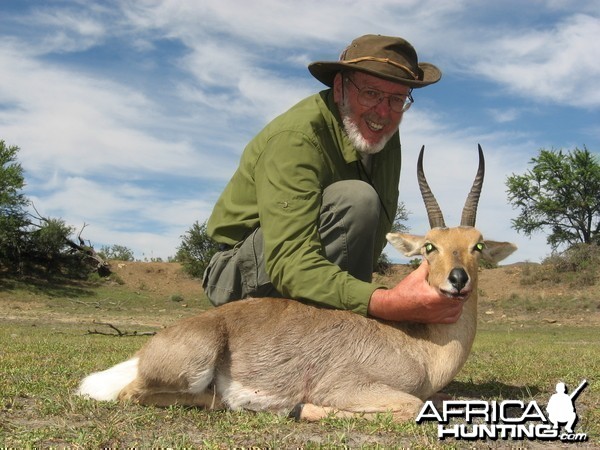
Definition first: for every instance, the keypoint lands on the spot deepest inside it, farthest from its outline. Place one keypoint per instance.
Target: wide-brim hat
(390, 58)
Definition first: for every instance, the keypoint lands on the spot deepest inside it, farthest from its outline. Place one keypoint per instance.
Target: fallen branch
(85, 250)
(119, 333)
(94, 304)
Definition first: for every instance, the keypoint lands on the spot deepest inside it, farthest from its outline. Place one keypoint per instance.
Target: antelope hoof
(296, 412)
(439, 398)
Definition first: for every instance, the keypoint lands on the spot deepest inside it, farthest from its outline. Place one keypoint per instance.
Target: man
(306, 213)
(561, 407)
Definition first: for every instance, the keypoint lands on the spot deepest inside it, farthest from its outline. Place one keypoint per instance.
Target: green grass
(42, 364)
(45, 353)
(563, 305)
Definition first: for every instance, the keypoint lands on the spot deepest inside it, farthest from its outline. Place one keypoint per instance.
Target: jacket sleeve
(290, 177)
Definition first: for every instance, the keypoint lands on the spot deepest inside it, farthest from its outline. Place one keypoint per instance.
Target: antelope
(287, 357)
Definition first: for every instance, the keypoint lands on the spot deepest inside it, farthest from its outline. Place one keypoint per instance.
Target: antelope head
(453, 253)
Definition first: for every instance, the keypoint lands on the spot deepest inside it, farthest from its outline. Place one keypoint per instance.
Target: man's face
(375, 125)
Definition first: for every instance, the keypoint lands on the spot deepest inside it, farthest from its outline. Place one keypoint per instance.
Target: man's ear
(338, 87)
(407, 244)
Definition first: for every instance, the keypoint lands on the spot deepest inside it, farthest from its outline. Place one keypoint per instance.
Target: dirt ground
(514, 293)
(501, 290)
(159, 278)
(168, 278)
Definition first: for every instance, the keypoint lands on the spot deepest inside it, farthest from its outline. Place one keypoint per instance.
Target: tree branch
(118, 332)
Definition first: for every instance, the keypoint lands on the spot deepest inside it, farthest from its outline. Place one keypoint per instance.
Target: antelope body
(280, 355)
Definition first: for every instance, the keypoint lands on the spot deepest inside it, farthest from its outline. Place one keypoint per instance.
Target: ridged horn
(434, 213)
(469, 213)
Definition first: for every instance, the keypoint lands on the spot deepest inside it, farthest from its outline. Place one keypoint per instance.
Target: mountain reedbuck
(280, 355)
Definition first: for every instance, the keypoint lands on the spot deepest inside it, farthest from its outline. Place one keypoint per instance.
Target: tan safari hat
(390, 58)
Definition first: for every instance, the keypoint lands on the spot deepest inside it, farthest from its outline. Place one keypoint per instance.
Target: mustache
(376, 118)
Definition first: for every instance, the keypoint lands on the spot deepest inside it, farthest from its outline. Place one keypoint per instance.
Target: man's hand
(414, 300)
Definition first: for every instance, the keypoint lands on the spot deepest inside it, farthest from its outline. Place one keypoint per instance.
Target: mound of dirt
(168, 278)
(161, 278)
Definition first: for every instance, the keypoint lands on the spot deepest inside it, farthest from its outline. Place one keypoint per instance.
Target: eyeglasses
(371, 97)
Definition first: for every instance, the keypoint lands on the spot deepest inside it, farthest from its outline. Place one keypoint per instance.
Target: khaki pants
(347, 226)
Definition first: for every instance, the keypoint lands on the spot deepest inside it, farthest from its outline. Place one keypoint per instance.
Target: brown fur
(273, 354)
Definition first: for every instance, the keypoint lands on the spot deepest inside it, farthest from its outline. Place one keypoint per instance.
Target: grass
(47, 349)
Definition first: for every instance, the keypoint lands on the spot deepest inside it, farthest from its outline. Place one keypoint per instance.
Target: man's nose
(383, 108)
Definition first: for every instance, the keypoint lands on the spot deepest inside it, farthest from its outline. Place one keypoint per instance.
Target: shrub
(415, 263)
(196, 250)
(384, 265)
(582, 260)
(116, 251)
(176, 298)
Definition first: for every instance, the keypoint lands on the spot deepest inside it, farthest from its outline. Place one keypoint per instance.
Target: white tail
(284, 356)
(107, 384)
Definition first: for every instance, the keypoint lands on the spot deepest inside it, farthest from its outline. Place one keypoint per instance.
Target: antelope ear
(407, 244)
(496, 251)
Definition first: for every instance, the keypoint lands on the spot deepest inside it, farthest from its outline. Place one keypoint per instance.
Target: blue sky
(131, 115)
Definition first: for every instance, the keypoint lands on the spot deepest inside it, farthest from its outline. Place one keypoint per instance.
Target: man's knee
(348, 225)
(355, 200)
(363, 196)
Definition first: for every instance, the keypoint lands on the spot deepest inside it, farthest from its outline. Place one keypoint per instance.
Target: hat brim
(325, 72)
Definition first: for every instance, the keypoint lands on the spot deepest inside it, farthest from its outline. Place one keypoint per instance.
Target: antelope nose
(458, 278)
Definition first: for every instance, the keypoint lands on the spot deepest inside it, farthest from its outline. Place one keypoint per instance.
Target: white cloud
(141, 160)
(83, 125)
(504, 115)
(63, 29)
(90, 150)
(559, 64)
(119, 213)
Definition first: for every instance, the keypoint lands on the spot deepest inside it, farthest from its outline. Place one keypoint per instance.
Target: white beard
(359, 142)
(356, 137)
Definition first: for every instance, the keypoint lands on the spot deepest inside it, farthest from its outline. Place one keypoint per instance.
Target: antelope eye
(479, 247)
(429, 247)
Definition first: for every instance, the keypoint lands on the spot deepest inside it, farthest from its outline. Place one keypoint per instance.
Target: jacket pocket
(222, 279)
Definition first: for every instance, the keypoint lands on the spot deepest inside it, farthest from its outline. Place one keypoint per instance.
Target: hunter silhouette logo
(508, 419)
(561, 406)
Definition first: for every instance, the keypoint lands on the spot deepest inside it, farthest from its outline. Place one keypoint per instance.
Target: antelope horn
(470, 210)
(434, 213)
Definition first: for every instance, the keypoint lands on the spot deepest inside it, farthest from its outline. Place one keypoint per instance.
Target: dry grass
(530, 337)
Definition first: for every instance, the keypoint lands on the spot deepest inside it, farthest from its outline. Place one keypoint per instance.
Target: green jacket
(278, 186)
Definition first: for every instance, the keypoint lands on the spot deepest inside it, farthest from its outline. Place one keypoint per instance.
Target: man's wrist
(378, 303)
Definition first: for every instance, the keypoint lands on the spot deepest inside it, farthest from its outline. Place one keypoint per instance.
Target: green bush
(116, 251)
(196, 250)
(176, 298)
(415, 263)
(384, 265)
(579, 262)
